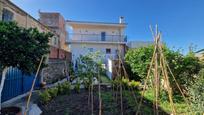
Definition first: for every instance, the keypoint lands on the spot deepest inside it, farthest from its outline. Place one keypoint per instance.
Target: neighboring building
(58, 49)
(200, 54)
(18, 83)
(11, 12)
(138, 44)
(56, 22)
(107, 38)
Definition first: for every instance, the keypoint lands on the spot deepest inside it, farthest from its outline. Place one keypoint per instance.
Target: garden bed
(77, 104)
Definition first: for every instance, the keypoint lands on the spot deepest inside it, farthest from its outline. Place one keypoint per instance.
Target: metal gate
(17, 83)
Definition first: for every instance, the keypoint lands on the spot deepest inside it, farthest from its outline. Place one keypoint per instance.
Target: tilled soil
(73, 104)
(77, 104)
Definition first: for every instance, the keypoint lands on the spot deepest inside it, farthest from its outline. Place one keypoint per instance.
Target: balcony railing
(96, 38)
(111, 56)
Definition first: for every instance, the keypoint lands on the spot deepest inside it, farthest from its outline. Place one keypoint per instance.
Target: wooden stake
(169, 90)
(33, 84)
(99, 93)
(92, 98)
(145, 82)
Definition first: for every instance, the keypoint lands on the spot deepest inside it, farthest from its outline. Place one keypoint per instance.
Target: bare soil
(77, 104)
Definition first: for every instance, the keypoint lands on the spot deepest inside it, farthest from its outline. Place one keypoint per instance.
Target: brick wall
(56, 53)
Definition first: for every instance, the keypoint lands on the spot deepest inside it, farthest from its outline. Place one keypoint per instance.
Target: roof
(10, 2)
(72, 22)
(200, 51)
(57, 13)
(138, 44)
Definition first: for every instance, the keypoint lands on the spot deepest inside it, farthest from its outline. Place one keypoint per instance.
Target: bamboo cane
(169, 90)
(92, 98)
(99, 93)
(145, 82)
(33, 84)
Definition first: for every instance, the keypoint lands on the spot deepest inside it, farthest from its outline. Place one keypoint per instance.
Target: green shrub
(59, 87)
(53, 92)
(134, 84)
(77, 87)
(183, 67)
(45, 97)
(127, 83)
(64, 89)
(164, 96)
(197, 94)
(87, 83)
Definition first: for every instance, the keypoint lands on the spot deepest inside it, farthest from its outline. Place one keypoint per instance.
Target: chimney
(121, 20)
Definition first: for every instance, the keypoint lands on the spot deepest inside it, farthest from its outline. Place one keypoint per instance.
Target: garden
(92, 92)
(122, 95)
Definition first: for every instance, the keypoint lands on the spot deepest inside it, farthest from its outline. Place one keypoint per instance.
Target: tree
(139, 59)
(21, 48)
(88, 66)
(183, 67)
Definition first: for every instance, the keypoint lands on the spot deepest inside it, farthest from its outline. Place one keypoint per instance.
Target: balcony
(96, 38)
(111, 56)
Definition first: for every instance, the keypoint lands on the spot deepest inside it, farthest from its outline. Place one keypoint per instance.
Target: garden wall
(55, 70)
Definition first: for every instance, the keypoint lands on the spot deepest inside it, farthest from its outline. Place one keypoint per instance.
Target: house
(107, 38)
(10, 12)
(56, 22)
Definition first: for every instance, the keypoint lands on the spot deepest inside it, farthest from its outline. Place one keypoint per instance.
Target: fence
(17, 83)
(75, 37)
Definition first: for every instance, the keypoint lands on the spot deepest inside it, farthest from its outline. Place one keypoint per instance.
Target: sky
(180, 21)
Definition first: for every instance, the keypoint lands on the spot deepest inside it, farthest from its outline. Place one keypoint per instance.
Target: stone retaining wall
(55, 71)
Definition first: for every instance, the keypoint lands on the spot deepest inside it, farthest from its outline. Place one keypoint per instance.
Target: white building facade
(107, 38)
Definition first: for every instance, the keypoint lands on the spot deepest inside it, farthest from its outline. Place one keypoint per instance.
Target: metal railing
(96, 38)
(111, 56)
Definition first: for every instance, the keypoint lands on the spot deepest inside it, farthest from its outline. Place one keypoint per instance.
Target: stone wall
(55, 70)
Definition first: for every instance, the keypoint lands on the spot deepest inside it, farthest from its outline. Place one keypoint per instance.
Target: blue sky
(181, 21)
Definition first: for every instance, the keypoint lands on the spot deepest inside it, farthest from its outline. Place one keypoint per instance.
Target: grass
(146, 108)
(181, 107)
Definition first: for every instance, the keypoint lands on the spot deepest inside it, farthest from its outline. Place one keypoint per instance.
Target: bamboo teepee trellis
(161, 70)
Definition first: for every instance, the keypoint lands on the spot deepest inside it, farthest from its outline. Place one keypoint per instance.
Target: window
(108, 51)
(7, 15)
(55, 41)
(103, 36)
(116, 51)
(90, 49)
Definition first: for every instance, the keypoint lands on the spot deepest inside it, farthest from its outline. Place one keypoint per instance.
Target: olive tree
(21, 48)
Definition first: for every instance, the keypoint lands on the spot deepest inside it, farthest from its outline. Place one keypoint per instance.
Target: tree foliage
(184, 68)
(197, 93)
(21, 47)
(88, 67)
